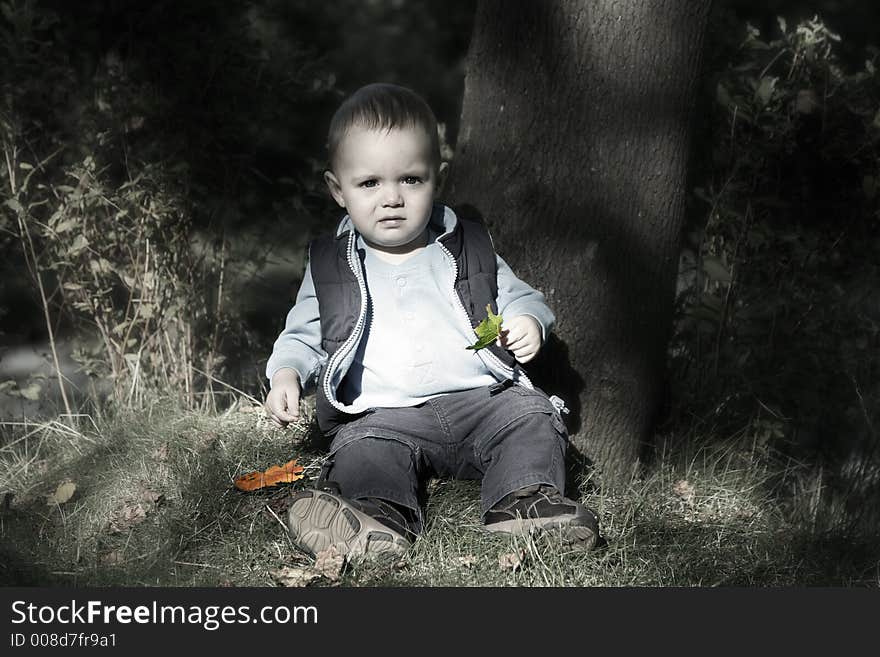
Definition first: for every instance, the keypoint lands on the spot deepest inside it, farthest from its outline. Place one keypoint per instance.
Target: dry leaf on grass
(62, 494)
(467, 561)
(272, 476)
(512, 560)
(206, 440)
(112, 558)
(684, 490)
(128, 516)
(152, 496)
(329, 563)
(134, 512)
(294, 577)
(161, 452)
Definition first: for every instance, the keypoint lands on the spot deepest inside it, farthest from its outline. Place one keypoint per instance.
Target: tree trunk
(573, 148)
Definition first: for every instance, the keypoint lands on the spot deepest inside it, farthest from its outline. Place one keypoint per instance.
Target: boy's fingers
(271, 415)
(520, 341)
(277, 422)
(287, 415)
(525, 352)
(276, 411)
(514, 344)
(525, 356)
(293, 406)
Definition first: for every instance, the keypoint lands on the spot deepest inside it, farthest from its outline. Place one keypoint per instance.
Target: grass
(154, 506)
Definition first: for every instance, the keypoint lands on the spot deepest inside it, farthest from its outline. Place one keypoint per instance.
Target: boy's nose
(393, 196)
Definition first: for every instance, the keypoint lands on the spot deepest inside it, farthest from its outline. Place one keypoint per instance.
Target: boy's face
(387, 181)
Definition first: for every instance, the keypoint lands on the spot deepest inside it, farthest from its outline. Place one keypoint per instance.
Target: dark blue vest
(339, 299)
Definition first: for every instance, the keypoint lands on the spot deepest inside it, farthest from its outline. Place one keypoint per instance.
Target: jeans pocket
(555, 402)
(350, 437)
(356, 433)
(527, 404)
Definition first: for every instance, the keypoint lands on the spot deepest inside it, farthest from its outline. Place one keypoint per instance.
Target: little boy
(381, 326)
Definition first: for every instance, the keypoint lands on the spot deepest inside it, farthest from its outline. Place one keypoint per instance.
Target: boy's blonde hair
(382, 106)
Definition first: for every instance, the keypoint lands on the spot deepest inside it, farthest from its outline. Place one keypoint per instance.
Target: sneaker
(391, 515)
(318, 519)
(543, 507)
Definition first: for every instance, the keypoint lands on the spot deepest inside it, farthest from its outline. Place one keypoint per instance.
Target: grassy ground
(154, 505)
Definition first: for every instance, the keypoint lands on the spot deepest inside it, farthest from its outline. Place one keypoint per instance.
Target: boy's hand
(282, 402)
(522, 336)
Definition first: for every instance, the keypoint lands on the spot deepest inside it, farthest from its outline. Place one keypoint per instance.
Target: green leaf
(715, 269)
(488, 330)
(66, 225)
(765, 89)
(79, 243)
(31, 392)
(14, 205)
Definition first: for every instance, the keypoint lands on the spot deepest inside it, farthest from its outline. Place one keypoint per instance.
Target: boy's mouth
(391, 220)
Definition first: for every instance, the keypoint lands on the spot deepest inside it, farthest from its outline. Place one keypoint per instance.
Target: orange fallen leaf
(272, 476)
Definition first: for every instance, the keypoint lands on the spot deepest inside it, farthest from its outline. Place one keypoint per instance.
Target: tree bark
(573, 148)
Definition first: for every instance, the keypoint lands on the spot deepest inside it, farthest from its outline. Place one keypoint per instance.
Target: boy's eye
(369, 183)
(412, 180)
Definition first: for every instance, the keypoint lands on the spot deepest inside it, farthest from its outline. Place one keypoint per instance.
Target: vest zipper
(358, 328)
(512, 373)
(516, 375)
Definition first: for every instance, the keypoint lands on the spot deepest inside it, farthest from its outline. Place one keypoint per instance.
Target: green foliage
(123, 180)
(487, 330)
(778, 310)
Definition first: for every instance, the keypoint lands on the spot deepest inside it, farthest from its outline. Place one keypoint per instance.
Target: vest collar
(442, 221)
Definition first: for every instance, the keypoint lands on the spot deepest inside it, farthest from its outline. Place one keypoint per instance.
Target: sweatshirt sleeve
(516, 297)
(299, 345)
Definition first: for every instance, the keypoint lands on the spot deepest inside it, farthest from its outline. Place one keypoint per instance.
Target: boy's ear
(334, 187)
(442, 172)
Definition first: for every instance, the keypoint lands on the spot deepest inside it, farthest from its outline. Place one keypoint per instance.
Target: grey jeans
(505, 435)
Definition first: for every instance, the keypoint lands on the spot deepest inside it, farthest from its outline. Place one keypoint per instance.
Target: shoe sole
(584, 536)
(318, 520)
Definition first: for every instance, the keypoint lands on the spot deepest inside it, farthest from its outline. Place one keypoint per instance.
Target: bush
(130, 167)
(778, 304)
